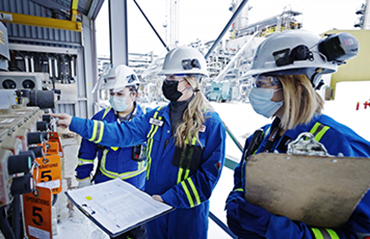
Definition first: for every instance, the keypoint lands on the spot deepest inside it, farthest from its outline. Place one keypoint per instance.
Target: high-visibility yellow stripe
(94, 130)
(191, 203)
(187, 173)
(317, 233)
(82, 179)
(86, 160)
(194, 140)
(151, 146)
(267, 131)
(321, 133)
(181, 170)
(179, 175)
(106, 111)
(101, 132)
(151, 133)
(141, 168)
(332, 234)
(148, 158)
(194, 191)
(314, 128)
(239, 190)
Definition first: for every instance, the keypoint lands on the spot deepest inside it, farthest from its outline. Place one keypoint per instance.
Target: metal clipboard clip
(87, 210)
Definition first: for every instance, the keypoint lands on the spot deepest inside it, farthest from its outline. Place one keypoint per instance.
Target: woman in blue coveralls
(126, 163)
(186, 146)
(286, 70)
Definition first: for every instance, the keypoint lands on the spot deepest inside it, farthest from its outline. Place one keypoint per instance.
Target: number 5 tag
(49, 172)
(37, 213)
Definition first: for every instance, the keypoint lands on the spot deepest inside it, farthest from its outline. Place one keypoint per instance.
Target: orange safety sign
(54, 137)
(37, 213)
(50, 148)
(49, 170)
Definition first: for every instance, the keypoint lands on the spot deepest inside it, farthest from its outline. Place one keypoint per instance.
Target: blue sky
(205, 19)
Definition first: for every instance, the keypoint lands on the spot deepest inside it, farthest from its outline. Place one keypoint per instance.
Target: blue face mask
(260, 99)
(118, 103)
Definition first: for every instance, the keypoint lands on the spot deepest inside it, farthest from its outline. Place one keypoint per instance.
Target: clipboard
(320, 191)
(117, 206)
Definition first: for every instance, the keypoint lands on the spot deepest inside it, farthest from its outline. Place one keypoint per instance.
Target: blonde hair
(193, 117)
(301, 101)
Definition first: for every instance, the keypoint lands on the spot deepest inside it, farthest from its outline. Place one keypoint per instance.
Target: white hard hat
(119, 77)
(291, 52)
(184, 60)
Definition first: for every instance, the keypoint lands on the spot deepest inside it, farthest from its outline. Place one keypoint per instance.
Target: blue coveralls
(336, 138)
(114, 162)
(185, 187)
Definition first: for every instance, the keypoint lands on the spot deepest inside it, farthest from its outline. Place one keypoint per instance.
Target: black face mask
(170, 91)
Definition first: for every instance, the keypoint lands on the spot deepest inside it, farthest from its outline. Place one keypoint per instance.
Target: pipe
(16, 218)
(5, 226)
(232, 19)
(164, 44)
(222, 73)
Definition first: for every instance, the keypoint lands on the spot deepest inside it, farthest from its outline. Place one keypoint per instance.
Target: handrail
(231, 164)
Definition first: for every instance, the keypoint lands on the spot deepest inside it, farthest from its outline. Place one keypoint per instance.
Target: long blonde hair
(193, 117)
(301, 101)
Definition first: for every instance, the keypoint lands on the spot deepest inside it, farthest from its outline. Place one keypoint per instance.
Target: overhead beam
(36, 21)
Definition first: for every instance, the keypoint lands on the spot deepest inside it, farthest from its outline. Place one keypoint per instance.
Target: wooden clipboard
(319, 191)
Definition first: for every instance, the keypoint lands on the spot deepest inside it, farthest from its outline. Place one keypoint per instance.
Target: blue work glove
(246, 219)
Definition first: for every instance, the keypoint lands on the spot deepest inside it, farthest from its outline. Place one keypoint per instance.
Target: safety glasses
(177, 77)
(262, 81)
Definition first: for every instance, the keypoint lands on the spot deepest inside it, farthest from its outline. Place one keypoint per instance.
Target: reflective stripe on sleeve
(82, 161)
(191, 192)
(324, 233)
(98, 132)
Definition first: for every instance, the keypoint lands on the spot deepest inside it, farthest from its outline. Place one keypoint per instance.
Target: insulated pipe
(232, 19)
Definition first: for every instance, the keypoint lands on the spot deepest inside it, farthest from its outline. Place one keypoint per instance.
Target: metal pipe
(232, 19)
(222, 73)
(50, 67)
(164, 44)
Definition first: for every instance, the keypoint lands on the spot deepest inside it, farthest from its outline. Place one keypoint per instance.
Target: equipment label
(37, 213)
(54, 137)
(49, 169)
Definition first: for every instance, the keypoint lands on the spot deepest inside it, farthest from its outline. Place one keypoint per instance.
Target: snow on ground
(242, 120)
